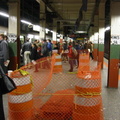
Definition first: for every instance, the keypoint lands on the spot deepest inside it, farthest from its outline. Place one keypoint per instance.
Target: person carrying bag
(6, 85)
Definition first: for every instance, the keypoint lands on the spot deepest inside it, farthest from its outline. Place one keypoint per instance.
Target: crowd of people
(31, 51)
(72, 50)
(36, 50)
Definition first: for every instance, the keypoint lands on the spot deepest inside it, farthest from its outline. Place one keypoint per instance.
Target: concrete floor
(110, 96)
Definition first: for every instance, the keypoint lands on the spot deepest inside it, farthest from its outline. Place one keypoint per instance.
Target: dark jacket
(4, 52)
(26, 47)
(34, 53)
(44, 49)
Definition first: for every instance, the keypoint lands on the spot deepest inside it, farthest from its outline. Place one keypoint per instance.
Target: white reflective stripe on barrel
(22, 81)
(87, 83)
(54, 51)
(58, 56)
(86, 101)
(20, 98)
(58, 63)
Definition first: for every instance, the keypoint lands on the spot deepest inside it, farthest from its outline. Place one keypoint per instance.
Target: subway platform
(110, 96)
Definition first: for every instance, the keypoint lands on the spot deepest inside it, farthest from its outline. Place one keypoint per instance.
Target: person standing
(49, 46)
(2, 116)
(4, 53)
(71, 57)
(90, 49)
(44, 49)
(4, 57)
(45, 53)
(34, 53)
(26, 51)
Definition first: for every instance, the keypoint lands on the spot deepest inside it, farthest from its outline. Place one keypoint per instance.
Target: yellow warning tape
(72, 72)
(79, 94)
(88, 94)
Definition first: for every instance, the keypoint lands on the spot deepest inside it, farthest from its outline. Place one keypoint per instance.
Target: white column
(113, 69)
(42, 20)
(54, 36)
(101, 23)
(14, 33)
(14, 18)
(115, 23)
(96, 29)
(101, 33)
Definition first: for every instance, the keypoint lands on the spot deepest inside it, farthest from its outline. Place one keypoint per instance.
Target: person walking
(26, 51)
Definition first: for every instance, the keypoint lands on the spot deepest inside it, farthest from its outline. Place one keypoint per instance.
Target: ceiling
(76, 14)
(73, 15)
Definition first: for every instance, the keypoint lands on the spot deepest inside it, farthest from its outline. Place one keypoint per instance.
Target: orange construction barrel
(20, 101)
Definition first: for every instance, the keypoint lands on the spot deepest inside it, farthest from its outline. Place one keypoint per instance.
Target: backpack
(74, 51)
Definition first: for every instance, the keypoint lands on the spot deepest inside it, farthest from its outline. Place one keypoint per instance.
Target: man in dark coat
(4, 57)
(4, 53)
(44, 49)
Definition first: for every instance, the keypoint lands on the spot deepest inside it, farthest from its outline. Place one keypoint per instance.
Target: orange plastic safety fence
(88, 101)
(30, 81)
(58, 64)
(48, 92)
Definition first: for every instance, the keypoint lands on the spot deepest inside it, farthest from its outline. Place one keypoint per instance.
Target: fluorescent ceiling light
(4, 14)
(51, 31)
(81, 32)
(47, 30)
(26, 22)
(107, 28)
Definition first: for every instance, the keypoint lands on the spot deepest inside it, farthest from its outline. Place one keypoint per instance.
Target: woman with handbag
(6, 85)
(2, 116)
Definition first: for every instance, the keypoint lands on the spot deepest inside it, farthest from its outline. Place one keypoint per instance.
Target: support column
(101, 33)
(14, 30)
(95, 52)
(54, 36)
(61, 32)
(42, 20)
(91, 34)
(113, 63)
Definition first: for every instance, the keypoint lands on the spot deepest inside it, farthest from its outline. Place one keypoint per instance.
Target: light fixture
(4, 14)
(107, 28)
(26, 22)
(81, 32)
(47, 30)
